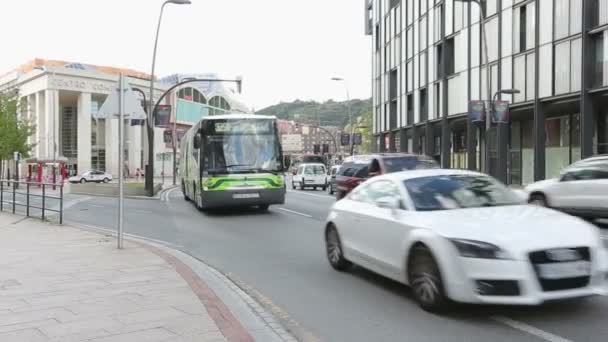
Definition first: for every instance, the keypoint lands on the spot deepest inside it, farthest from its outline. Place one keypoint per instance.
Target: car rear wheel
(82, 181)
(333, 248)
(539, 200)
(425, 280)
(106, 180)
(330, 189)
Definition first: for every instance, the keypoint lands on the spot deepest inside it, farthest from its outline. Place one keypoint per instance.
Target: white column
(134, 145)
(112, 146)
(38, 109)
(84, 132)
(49, 118)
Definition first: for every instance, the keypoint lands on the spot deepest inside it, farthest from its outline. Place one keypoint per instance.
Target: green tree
(14, 132)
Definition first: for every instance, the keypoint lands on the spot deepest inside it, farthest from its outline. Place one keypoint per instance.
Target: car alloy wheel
(539, 200)
(333, 248)
(105, 180)
(425, 280)
(82, 181)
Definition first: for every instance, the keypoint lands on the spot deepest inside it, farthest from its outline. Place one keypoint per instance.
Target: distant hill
(329, 113)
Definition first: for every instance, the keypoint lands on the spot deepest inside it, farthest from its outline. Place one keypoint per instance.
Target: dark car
(357, 169)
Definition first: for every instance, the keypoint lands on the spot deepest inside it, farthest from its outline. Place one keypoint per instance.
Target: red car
(357, 169)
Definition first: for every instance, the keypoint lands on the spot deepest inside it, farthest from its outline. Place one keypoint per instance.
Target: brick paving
(59, 283)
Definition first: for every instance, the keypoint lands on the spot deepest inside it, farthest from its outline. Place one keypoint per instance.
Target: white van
(311, 175)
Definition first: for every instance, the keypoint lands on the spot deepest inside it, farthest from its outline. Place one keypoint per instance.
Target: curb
(238, 316)
(158, 196)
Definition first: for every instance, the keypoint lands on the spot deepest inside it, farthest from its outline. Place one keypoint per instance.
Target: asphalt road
(279, 258)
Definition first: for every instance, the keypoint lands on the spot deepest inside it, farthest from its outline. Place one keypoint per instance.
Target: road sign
(132, 105)
(358, 139)
(501, 112)
(477, 111)
(345, 139)
(162, 116)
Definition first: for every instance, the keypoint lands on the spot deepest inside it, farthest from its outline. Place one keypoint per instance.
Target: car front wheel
(538, 199)
(106, 180)
(333, 248)
(425, 280)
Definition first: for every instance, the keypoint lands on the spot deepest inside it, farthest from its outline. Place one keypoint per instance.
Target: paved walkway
(64, 284)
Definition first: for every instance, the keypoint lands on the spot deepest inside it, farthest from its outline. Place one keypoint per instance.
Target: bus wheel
(186, 198)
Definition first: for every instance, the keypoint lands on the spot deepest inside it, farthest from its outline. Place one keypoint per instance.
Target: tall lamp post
(482, 10)
(150, 167)
(350, 115)
(502, 132)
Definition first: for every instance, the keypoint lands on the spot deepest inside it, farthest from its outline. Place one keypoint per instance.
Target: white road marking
(168, 194)
(547, 336)
(113, 233)
(294, 212)
(313, 195)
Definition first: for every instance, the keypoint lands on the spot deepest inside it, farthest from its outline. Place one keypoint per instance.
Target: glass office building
(429, 62)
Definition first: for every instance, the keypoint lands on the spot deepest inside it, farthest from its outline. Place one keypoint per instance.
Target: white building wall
(84, 131)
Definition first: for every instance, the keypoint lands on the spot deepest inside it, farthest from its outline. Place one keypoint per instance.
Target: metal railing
(32, 197)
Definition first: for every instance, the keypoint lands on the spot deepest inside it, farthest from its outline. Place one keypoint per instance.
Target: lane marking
(295, 212)
(547, 336)
(114, 233)
(168, 194)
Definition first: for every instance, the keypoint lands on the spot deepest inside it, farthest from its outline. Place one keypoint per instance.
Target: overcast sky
(284, 49)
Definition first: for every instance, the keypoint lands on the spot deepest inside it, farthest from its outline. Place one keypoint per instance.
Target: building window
(523, 27)
(600, 12)
(567, 59)
(393, 82)
(424, 111)
(440, 61)
(218, 105)
(191, 94)
(449, 57)
(393, 114)
(568, 18)
(437, 101)
(378, 38)
(599, 63)
(410, 109)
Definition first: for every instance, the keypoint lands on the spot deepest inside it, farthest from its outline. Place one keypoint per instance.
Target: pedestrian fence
(32, 199)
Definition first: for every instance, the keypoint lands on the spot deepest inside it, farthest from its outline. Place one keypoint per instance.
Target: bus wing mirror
(197, 141)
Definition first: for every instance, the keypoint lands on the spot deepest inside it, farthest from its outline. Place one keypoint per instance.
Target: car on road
(581, 189)
(357, 169)
(313, 175)
(92, 176)
(456, 235)
(331, 184)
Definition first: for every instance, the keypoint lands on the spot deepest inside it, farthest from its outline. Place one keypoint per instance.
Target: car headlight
(479, 249)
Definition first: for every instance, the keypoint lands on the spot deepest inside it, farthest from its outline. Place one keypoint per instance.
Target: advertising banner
(477, 111)
(162, 116)
(501, 112)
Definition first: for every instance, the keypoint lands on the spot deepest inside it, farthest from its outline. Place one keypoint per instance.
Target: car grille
(541, 257)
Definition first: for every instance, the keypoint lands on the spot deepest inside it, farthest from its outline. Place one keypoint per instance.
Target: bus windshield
(241, 146)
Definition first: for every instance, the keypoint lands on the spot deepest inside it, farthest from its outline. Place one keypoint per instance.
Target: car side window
(384, 188)
(362, 171)
(585, 174)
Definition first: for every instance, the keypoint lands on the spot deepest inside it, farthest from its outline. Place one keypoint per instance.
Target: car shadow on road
(238, 211)
(475, 312)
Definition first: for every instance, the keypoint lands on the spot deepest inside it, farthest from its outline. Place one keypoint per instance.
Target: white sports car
(463, 236)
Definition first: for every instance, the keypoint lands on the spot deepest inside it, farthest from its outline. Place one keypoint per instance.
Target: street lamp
(482, 10)
(150, 171)
(350, 116)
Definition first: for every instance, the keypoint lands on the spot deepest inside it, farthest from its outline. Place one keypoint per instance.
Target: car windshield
(315, 169)
(397, 164)
(447, 192)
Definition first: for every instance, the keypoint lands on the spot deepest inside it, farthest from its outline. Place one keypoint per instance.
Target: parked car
(357, 169)
(581, 189)
(456, 235)
(332, 173)
(313, 175)
(91, 176)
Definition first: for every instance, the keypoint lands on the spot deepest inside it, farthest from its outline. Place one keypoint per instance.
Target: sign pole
(121, 105)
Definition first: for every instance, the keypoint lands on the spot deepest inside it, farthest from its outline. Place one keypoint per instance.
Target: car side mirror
(388, 203)
(197, 141)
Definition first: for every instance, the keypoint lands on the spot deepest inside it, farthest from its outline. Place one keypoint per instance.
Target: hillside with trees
(330, 113)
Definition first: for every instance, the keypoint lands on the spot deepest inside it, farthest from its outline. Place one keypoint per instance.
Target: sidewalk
(59, 283)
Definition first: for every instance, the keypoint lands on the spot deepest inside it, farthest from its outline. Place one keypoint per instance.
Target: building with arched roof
(62, 99)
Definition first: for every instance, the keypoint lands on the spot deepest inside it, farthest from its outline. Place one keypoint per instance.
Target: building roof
(38, 62)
